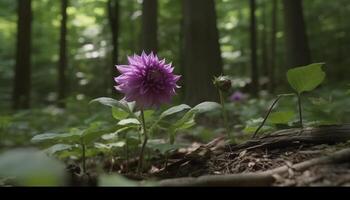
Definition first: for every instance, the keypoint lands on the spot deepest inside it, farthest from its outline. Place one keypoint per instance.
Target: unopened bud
(223, 83)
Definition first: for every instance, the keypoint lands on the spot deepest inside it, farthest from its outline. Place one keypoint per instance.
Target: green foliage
(281, 117)
(306, 78)
(30, 167)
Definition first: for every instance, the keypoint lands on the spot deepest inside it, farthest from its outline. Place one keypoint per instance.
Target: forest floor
(292, 157)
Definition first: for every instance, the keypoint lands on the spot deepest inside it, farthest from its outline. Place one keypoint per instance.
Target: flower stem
(143, 124)
(300, 111)
(269, 111)
(224, 114)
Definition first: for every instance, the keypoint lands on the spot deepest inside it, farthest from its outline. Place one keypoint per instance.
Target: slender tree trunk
(22, 79)
(149, 26)
(62, 63)
(272, 62)
(253, 47)
(264, 54)
(202, 57)
(298, 51)
(113, 16)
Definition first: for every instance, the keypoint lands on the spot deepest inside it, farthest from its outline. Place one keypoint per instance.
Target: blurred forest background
(58, 55)
(53, 52)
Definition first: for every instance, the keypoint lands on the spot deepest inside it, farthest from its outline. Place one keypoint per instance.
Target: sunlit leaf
(206, 106)
(174, 110)
(128, 121)
(306, 78)
(57, 148)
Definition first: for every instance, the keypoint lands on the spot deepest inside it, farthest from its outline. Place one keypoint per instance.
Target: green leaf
(95, 131)
(122, 104)
(206, 107)
(282, 117)
(109, 146)
(174, 110)
(110, 136)
(31, 167)
(119, 114)
(306, 78)
(58, 148)
(129, 121)
(57, 137)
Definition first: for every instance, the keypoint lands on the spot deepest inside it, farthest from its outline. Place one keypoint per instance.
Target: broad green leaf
(119, 114)
(128, 121)
(114, 103)
(206, 106)
(58, 148)
(31, 167)
(109, 146)
(110, 136)
(57, 137)
(185, 122)
(306, 78)
(282, 117)
(174, 110)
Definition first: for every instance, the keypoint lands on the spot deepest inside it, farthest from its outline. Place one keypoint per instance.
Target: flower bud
(223, 83)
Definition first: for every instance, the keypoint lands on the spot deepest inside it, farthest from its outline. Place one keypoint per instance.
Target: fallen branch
(256, 179)
(294, 137)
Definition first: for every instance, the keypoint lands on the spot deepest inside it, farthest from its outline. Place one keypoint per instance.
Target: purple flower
(237, 96)
(147, 80)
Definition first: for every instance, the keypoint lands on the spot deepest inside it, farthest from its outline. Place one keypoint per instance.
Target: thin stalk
(300, 114)
(269, 111)
(141, 157)
(224, 114)
(112, 164)
(83, 157)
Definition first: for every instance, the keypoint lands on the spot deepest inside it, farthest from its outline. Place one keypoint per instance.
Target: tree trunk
(113, 16)
(149, 26)
(264, 51)
(272, 60)
(253, 46)
(202, 56)
(22, 79)
(62, 63)
(298, 52)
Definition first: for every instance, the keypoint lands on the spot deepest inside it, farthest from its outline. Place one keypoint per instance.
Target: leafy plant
(304, 79)
(301, 79)
(122, 109)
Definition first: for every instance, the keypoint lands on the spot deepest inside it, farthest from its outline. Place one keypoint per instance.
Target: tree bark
(113, 17)
(202, 56)
(298, 51)
(22, 79)
(62, 63)
(149, 26)
(264, 41)
(253, 47)
(272, 60)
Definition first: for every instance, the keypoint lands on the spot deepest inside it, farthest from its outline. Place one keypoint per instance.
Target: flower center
(154, 75)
